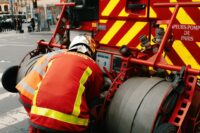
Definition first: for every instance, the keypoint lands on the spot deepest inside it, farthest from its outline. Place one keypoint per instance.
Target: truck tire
(135, 105)
(26, 67)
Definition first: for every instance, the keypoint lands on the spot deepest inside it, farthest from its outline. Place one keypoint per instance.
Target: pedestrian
(38, 23)
(20, 25)
(17, 24)
(33, 24)
(63, 90)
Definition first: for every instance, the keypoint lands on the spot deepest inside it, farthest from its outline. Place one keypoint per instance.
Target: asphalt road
(13, 47)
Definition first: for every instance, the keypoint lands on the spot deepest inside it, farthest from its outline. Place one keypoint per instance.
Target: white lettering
(186, 33)
(187, 38)
(186, 27)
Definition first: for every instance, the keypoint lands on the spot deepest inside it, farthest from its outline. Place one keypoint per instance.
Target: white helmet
(84, 44)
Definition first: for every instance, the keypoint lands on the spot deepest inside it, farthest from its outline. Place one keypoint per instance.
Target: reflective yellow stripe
(123, 13)
(152, 13)
(185, 55)
(59, 116)
(139, 47)
(198, 44)
(110, 7)
(134, 30)
(103, 21)
(112, 31)
(77, 104)
(168, 62)
(182, 15)
(35, 95)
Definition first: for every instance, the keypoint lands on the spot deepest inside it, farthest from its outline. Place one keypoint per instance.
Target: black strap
(83, 45)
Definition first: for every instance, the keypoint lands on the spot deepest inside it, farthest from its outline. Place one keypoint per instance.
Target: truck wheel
(135, 105)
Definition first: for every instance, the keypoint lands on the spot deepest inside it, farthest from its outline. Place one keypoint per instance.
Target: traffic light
(34, 3)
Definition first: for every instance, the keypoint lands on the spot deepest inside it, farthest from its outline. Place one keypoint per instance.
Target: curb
(40, 33)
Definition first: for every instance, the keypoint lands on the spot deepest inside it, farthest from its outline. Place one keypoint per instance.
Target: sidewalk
(52, 28)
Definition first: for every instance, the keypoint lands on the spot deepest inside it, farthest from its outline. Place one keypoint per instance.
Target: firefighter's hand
(103, 94)
(106, 85)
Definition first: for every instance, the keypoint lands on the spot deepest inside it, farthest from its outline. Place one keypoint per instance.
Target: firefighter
(66, 89)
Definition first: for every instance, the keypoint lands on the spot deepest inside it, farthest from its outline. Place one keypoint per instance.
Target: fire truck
(149, 51)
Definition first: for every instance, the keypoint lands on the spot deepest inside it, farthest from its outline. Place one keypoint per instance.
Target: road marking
(7, 94)
(12, 117)
(14, 44)
(4, 61)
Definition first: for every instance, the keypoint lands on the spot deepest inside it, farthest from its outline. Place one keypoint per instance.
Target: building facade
(45, 14)
(4, 7)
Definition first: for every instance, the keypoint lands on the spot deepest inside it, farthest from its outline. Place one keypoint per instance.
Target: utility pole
(34, 4)
(11, 8)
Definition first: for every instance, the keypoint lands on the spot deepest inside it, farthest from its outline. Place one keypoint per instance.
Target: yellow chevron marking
(163, 26)
(103, 21)
(182, 16)
(123, 13)
(109, 8)
(168, 60)
(112, 31)
(139, 46)
(134, 30)
(185, 55)
(152, 13)
(152, 43)
(198, 44)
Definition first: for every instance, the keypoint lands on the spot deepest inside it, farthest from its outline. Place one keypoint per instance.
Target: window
(6, 8)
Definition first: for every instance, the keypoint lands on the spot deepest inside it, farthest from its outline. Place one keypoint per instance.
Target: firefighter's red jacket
(60, 99)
